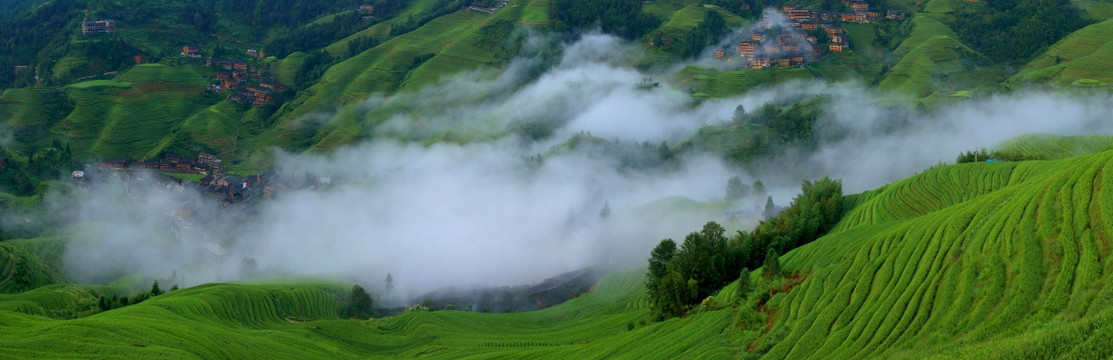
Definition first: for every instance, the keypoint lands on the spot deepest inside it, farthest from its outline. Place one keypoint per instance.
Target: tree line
(1014, 31)
(679, 277)
(619, 17)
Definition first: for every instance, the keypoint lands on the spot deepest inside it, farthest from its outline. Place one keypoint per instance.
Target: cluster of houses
(367, 10)
(771, 43)
(229, 189)
(233, 189)
(244, 83)
(174, 163)
(106, 26)
(489, 10)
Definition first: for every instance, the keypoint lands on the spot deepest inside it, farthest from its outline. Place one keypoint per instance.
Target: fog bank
(510, 209)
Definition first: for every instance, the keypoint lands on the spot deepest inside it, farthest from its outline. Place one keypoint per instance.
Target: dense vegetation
(620, 17)
(679, 278)
(1013, 31)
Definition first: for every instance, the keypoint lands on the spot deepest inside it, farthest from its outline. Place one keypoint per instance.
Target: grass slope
(223, 320)
(1084, 57)
(1049, 147)
(131, 116)
(21, 270)
(1015, 268)
(932, 59)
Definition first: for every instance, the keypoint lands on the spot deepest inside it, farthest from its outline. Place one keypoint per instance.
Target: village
(771, 43)
(228, 189)
(243, 82)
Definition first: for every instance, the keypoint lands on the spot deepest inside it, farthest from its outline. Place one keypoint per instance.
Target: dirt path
(11, 268)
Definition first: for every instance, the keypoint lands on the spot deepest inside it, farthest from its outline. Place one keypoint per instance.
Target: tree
(659, 260)
(772, 266)
(674, 295)
(736, 189)
(359, 303)
(744, 285)
(155, 290)
(389, 283)
(759, 189)
(606, 211)
(770, 208)
(702, 257)
(739, 114)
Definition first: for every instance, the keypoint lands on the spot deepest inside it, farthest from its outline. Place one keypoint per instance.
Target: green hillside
(130, 116)
(1017, 272)
(331, 56)
(932, 59)
(1083, 58)
(22, 271)
(300, 321)
(1050, 147)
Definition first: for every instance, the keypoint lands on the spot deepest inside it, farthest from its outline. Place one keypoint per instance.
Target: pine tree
(155, 290)
(744, 285)
(770, 208)
(772, 266)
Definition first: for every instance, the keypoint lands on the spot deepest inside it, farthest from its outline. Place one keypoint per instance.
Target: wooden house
(191, 51)
(747, 47)
(760, 62)
(800, 15)
(114, 164)
(106, 26)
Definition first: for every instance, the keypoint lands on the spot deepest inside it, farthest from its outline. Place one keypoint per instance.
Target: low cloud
(511, 209)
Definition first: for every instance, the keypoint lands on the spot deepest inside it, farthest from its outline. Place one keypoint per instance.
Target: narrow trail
(11, 268)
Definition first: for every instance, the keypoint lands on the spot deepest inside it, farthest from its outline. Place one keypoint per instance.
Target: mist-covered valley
(507, 177)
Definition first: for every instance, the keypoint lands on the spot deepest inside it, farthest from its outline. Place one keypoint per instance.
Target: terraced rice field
(1017, 272)
(116, 121)
(1083, 57)
(1051, 147)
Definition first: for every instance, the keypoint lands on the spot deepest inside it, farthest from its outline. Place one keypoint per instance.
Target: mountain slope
(1019, 271)
(1084, 58)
